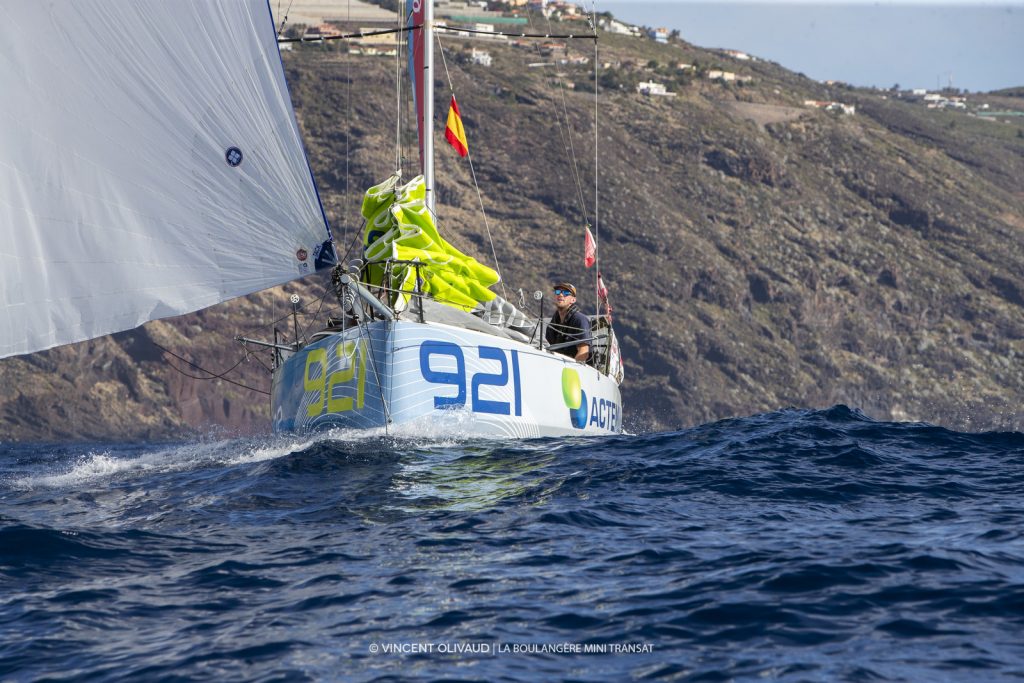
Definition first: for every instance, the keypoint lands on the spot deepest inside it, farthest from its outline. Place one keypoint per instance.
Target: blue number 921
(457, 379)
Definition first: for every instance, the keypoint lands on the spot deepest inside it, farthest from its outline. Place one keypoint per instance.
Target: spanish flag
(455, 133)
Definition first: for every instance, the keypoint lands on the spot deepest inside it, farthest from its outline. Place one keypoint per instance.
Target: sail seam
(302, 146)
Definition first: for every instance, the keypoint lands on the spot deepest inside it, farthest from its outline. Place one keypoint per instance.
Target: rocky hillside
(760, 253)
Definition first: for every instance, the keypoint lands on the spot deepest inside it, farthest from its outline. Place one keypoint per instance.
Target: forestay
(150, 165)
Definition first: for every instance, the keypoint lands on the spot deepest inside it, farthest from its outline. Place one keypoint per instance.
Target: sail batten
(150, 165)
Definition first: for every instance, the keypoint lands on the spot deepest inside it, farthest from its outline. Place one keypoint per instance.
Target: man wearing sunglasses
(568, 324)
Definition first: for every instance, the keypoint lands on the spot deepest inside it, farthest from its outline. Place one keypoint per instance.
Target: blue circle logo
(578, 417)
(233, 156)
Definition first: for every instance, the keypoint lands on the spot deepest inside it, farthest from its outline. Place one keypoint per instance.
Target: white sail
(150, 165)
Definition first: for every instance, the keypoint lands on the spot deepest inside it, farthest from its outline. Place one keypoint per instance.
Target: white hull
(430, 379)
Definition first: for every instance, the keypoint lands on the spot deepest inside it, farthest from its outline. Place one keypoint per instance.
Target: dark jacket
(575, 328)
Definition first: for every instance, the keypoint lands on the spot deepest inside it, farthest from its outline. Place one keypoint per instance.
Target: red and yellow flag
(455, 133)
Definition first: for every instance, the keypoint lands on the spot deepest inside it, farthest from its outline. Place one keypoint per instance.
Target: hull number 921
(505, 366)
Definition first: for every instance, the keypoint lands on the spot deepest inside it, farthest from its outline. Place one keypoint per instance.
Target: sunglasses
(564, 292)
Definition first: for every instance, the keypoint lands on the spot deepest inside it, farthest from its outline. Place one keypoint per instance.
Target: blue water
(796, 546)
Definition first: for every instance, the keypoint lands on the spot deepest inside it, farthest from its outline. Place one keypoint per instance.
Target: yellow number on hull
(318, 356)
(324, 384)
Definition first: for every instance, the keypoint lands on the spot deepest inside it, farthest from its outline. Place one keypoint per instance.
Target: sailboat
(151, 165)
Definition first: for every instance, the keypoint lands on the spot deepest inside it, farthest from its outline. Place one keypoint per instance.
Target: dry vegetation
(760, 255)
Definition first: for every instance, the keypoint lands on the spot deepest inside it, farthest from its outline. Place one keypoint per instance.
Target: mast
(428, 102)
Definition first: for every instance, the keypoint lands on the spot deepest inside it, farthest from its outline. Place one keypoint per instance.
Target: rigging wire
(245, 355)
(363, 331)
(566, 137)
(472, 170)
(398, 93)
(399, 156)
(305, 332)
(285, 19)
(571, 36)
(349, 36)
(356, 239)
(277, 320)
(327, 291)
(213, 375)
(597, 170)
(348, 134)
(256, 358)
(574, 164)
(453, 29)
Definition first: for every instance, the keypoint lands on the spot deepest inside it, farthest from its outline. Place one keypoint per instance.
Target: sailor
(569, 324)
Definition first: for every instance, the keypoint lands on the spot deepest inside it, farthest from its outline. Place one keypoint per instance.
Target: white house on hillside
(480, 57)
(651, 88)
(616, 26)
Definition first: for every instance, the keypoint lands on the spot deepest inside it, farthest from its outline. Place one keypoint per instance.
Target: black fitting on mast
(295, 319)
(539, 296)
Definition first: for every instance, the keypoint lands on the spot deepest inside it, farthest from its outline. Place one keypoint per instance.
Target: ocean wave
(771, 546)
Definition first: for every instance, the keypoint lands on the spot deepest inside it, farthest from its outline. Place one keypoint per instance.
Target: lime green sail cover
(399, 226)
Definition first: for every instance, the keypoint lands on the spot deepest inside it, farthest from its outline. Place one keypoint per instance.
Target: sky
(975, 45)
